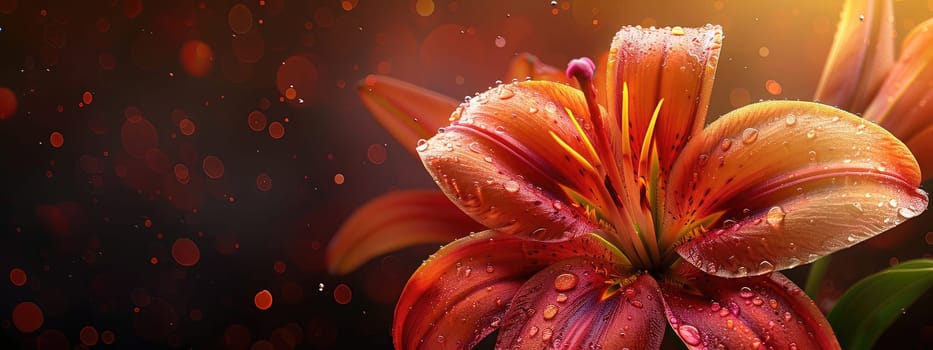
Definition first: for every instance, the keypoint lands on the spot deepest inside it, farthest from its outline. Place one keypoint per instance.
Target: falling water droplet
(775, 217)
(689, 334)
(749, 136)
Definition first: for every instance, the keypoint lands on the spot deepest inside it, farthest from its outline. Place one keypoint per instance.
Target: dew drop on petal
(790, 120)
(689, 334)
(725, 144)
(565, 282)
(749, 136)
(811, 134)
(511, 186)
(549, 311)
(907, 213)
(775, 217)
(746, 292)
(422, 145)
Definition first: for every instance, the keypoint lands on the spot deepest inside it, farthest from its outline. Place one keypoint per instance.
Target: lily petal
(394, 221)
(527, 66)
(861, 56)
(459, 295)
(762, 312)
(408, 112)
(569, 305)
(904, 105)
(793, 181)
(502, 161)
(674, 64)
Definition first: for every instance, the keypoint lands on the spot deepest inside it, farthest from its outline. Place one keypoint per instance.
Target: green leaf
(871, 305)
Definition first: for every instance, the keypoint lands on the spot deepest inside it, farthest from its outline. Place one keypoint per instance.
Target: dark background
(96, 195)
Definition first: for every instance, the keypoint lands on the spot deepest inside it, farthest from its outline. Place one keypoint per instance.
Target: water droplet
(320, 287)
(549, 311)
(746, 292)
(550, 107)
(532, 110)
(637, 304)
(546, 334)
(565, 282)
(907, 213)
(500, 129)
(742, 271)
(474, 146)
(725, 144)
(500, 41)
(440, 339)
(557, 205)
(511, 186)
(561, 297)
(893, 203)
(749, 136)
(554, 3)
(766, 265)
(677, 31)
(505, 94)
(532, 331)
(689, 334)
(758, 301)
(790, 120)
(490, 268)
(861, 17)
(811, 134)
(422, 145)
(775, 217)
(629, 293)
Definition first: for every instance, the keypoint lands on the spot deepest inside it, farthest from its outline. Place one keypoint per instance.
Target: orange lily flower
(405, 218)
(606, 222)
(862, 76)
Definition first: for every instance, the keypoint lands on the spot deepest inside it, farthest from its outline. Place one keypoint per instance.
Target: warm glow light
(263, 300)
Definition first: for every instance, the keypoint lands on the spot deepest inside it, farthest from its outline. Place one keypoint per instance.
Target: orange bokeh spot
(424, 7)
(186, 252)
(7, 103)
(107, 337)
(249, 47)
(213, 167)
(154, 260)
(263, 300)
(296, 78)
(276, 130)
(376, 154)
(27, 317)
(739, 97)
(18, 277)
(196, 58)
(256, 120)
(89, 336)
(187, 127)
(56, 139)
(132, 8)
(181, 173)
(133, 114)
(279, 267)
(773, 87)
(343, 294)
(87, 97)
(264, 182)
(262, 345)
(240, 19)
(339, 179)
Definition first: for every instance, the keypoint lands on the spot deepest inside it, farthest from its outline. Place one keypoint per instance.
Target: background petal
(675, 64)
(527, 66)
(460, 294)
(904, 104)
(408, 112)
(394, 221)
(561, 307)
(794, 181)
(762, 312)
(861, 55)
(499, 163)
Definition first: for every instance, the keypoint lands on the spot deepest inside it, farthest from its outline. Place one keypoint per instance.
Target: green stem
(815, 278)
